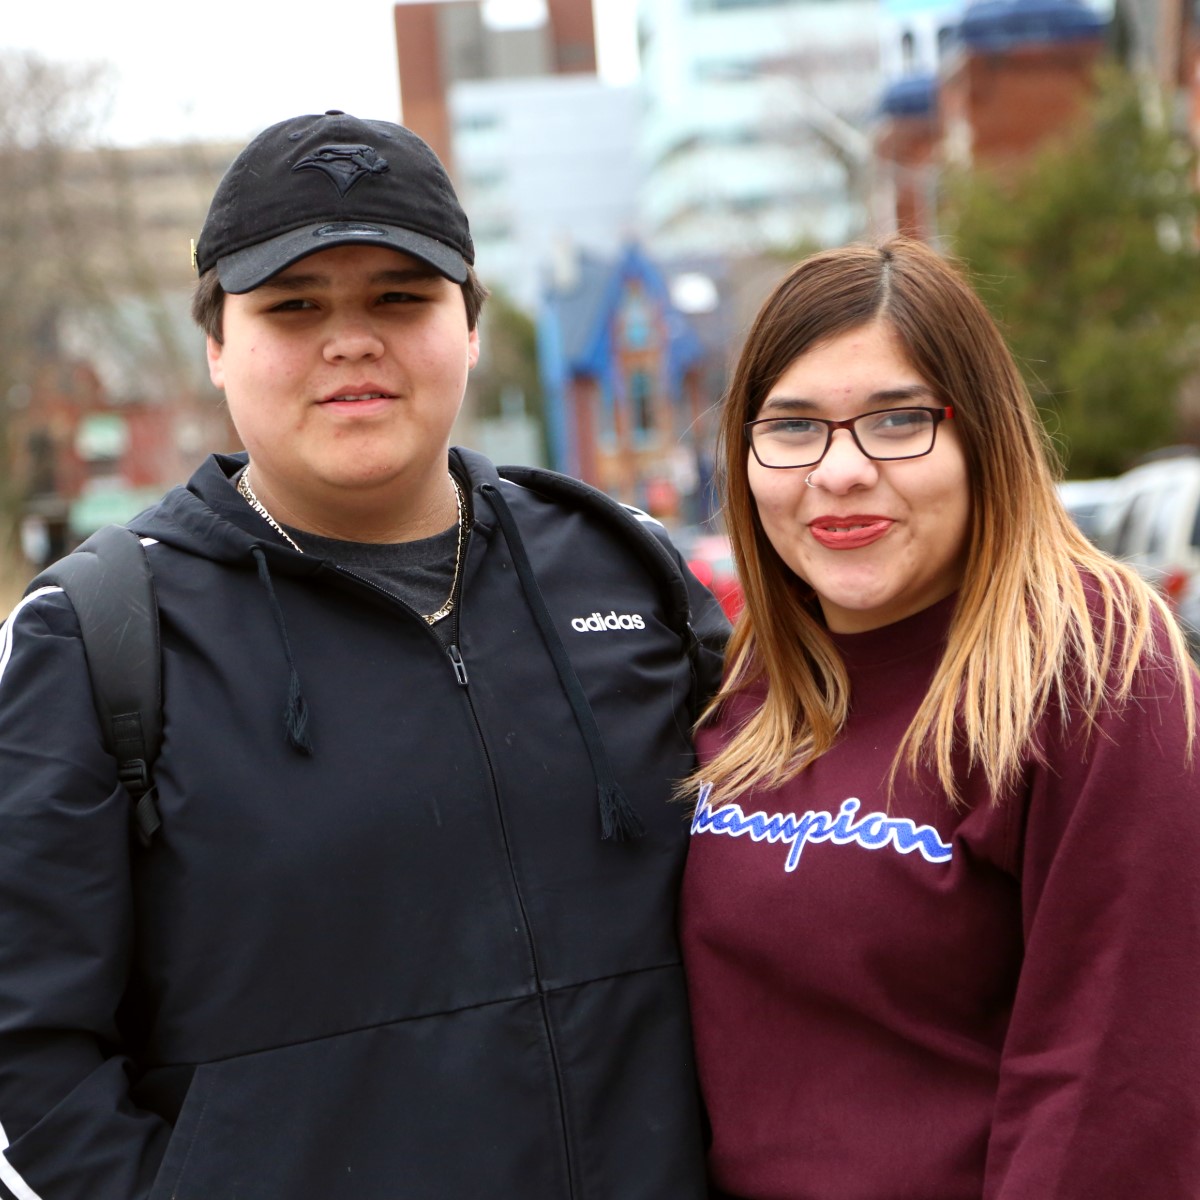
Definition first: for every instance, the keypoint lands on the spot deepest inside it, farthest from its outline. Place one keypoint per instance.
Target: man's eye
(291, 306)
(401, 298)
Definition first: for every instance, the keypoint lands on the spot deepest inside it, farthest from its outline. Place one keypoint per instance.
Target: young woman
(941, 912)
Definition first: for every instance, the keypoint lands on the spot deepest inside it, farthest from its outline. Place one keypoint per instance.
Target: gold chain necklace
(246, 491)
(460, 500)
(247, 494)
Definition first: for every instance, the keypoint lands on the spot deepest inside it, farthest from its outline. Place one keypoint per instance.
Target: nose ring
(808, 479)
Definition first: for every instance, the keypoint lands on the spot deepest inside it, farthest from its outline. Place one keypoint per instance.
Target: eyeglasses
(890, 433)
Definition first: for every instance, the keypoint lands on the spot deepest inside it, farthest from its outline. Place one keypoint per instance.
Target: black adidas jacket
(403, 964)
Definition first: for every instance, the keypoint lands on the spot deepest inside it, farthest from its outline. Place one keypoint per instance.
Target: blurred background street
(638, 174)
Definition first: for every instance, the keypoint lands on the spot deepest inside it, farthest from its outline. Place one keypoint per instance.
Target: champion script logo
(872, 831)
(599, 622)
(344, 165)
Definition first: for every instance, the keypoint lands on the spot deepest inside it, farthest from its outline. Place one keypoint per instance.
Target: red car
(711, 560)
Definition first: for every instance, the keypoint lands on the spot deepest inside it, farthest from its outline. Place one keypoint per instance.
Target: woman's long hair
(1022, 634)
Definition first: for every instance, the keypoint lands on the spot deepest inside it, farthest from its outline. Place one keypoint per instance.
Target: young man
(407, 928)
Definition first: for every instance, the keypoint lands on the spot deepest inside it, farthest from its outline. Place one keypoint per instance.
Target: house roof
(585, 311)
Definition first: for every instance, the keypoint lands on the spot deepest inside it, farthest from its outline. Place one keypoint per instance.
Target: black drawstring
(295, 714)
(618, 820)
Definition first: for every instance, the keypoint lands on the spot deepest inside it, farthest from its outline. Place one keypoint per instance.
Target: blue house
(622, 375)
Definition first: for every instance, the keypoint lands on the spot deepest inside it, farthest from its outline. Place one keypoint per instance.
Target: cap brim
(244, 270)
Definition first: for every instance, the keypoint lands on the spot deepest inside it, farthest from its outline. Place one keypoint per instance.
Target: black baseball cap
(313, 182)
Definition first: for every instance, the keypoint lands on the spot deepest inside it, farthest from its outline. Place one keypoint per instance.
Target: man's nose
(353, 337)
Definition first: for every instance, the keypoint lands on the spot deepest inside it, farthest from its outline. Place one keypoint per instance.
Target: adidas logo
(598, 623)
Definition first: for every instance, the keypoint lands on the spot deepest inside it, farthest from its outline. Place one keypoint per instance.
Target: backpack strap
(109, 584)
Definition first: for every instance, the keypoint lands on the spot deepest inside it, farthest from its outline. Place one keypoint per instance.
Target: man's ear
(472, 348)
(216, 368)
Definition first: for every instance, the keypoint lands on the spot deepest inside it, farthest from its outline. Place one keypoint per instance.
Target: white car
(1152, 521)
(1085, 501)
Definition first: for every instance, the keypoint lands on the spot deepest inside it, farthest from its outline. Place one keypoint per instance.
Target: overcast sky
(220, 69)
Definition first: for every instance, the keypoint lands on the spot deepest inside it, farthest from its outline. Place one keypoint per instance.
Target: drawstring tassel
(295, 713)
(618, 820)
(295, 717)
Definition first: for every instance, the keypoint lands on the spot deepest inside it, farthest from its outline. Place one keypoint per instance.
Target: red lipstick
(851, 532)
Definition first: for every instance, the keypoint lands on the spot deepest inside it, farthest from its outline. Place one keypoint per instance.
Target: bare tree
(45, 110)
(91, 279)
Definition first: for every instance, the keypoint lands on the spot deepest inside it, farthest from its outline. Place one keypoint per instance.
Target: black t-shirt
(420, 573)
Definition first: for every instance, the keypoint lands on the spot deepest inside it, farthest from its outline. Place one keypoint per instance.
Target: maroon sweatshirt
(913, 1001)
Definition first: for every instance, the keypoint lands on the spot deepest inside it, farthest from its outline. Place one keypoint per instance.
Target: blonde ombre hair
(1022, 635)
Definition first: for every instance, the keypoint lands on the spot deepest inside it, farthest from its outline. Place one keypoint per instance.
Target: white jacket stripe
(9, 1174)
(6, 640)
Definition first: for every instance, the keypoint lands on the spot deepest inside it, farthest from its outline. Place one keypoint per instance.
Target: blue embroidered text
(875, 831)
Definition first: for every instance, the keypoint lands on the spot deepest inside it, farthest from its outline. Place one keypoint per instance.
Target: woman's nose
(844, 466)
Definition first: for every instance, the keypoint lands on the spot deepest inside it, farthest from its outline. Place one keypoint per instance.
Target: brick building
(1013, 73)
(440, 44)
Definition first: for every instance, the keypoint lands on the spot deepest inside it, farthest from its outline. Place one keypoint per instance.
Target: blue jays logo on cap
(344, 165)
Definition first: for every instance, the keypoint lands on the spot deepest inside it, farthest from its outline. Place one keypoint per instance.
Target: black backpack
(110, 586)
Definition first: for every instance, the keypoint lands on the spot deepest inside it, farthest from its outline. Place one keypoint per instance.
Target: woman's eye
(900, 420)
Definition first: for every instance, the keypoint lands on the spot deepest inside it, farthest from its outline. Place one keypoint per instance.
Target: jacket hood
(208, 518)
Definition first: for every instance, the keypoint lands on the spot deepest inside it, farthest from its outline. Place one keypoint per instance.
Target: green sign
(101, 436)
(113, 507)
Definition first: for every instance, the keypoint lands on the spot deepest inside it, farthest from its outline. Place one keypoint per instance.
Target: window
(723, 5)
(41, 463)
(727, 70)
(476, 122)
(641, 406)
(636, 321)
(1125, 542)
(1158, 537)
(485, 179)
(1195, 538)
(492, 231)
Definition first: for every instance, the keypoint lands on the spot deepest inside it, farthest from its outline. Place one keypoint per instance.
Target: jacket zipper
(456, 660)
(460, 675)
